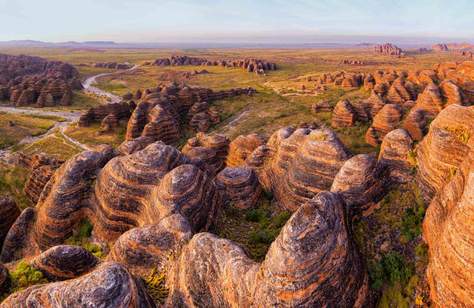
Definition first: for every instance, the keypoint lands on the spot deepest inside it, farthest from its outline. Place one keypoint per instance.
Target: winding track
(70, 117)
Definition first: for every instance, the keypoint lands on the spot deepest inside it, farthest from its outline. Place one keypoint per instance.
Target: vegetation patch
(82, 237)
(254, 229)
(12, 183)
(22, 277)
(155, 284)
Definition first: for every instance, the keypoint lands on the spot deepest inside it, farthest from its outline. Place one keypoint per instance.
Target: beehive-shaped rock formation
(395, 150)
(210, 151)
(65, 262)
(9, 212)
(241, 147)
(151, 247)
(448, 231)
(361, 180)
(239, 186)
(385, 121)
(314, 243)
(444, 148)
(343, 115)
(110, 285)
(300, 163)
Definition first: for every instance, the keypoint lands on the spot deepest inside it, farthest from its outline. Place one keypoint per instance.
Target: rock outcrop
(298, 164)
(447, 227)
(343, 115)
(313, 262)
(42, 168)
(9, 212)
(443, 149)
(251, 65)
(385, 121)
(239, 186)
(395, 151)
(110, 285)
(151, 247)
(34, 81)
(241, 147)
(360, 181)
(65, 262)
(388, 50)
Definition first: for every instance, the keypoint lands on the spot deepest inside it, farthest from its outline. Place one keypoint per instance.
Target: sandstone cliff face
(34, 81)
(312, 263)
(241, 147)
(111, 285)
(448, 173)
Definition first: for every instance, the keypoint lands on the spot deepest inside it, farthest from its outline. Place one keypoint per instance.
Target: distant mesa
(251, 65)
(440, 47)
(388, 49)
(34, 81)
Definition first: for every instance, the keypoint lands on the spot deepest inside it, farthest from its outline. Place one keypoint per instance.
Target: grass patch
(254, 229)
(81, 237)
(91, 135)
(12, 183)
(22, 277)
(53, 145)
(15, 127)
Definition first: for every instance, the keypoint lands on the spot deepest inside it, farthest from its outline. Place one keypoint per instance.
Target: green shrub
(24, 275)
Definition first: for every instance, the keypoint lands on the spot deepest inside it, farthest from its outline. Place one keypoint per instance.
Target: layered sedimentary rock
(42, 168)
(34, 81)
(110, 285)
(123, 185)
(386, 120)
(343, 115)
(388, 50)
(447, 229)
(361, 180)
(121, 111)
(444, 148)
(251, 65)
(18, 242)
(314, 243)
(163, 111)
(240, 186)
(241, 147)
(151, 247)
(207, 150)
(297, 164)
(109, 123)
(395, 150)
(60, 206)
(64, 262)
(9, 212)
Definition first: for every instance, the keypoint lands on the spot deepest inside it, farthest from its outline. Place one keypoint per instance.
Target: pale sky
(181, 20)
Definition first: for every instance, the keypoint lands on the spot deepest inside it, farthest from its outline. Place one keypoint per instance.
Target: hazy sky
(181, 20)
